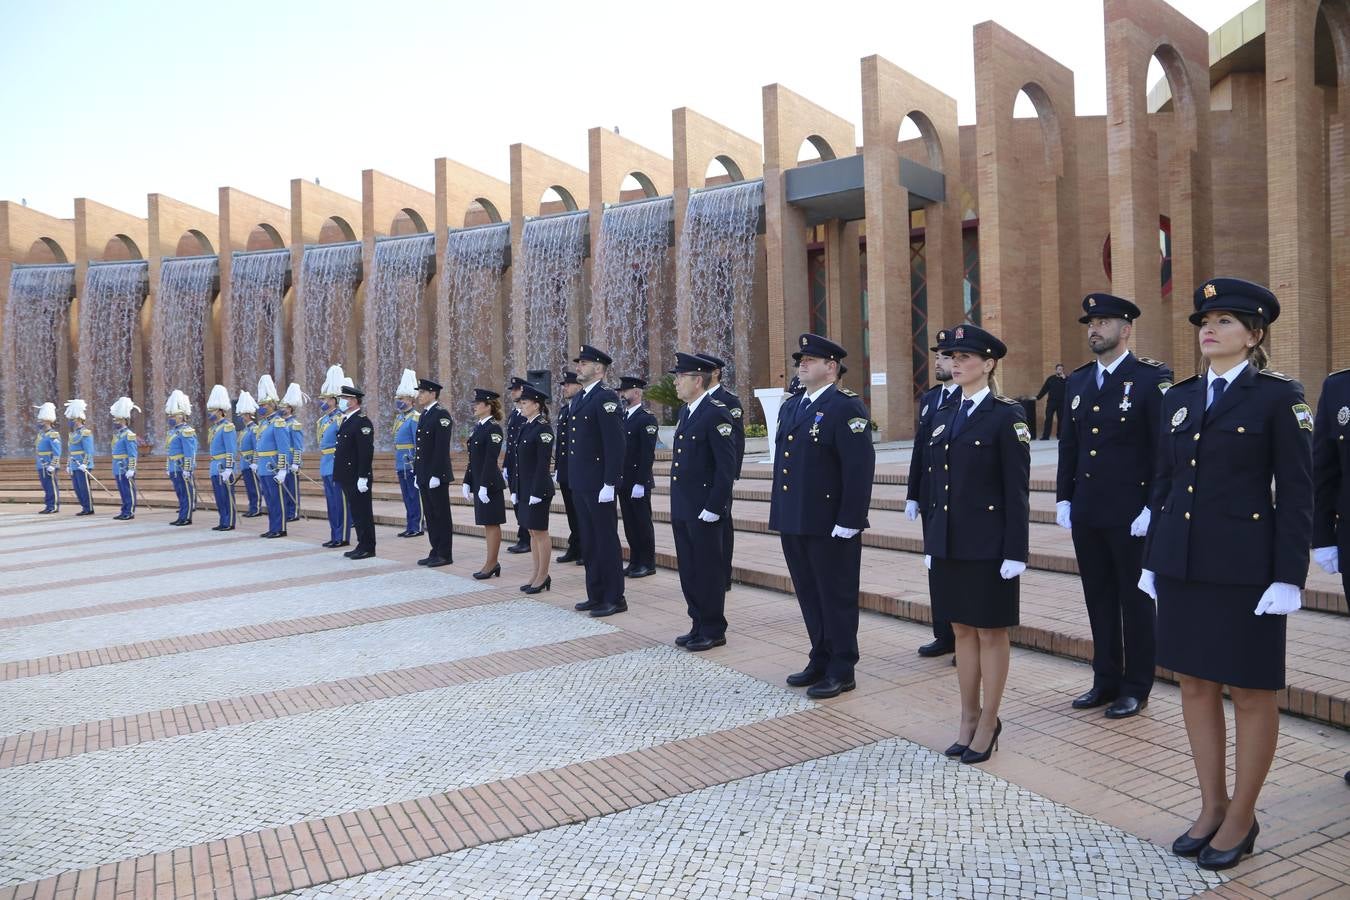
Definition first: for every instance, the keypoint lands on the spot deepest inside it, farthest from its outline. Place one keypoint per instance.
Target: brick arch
(46, 250)
(1052, 131)
(733, 169)
(569, 201)
(644, 181)
(193, 243)
(264, 237)
(408, 221)
(928, 133)
(120, 246)
(821, 146)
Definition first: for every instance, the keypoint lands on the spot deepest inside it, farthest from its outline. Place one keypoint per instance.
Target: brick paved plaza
(185, 713)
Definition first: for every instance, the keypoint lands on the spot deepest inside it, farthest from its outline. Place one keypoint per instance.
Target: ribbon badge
(1125, 404)
(815, 426)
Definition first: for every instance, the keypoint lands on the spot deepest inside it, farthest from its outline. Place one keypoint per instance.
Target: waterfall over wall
(257, 288)
(471, 283)
(630, 282)
(113, 296)
(39, 301)
(552, 251)
(186, 288)
(329, 276)
(398, 277)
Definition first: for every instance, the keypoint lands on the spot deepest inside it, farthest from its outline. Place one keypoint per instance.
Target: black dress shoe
(970, 757)
(425, 561)
(264, 534)
(587, 605)
(641, 572)
(699, 644)
(807, 676)
(360, 554)
(342, 543)
(684, 639)
(275, 534)
(416, 533)
(518, 548)
(86, 512)
(404, 533)
(1125, 707)
(830, 687)
(182, 522)
(329, 544)
(118, 518)
(1093, 699)
(580, 561)
(252, 515)
(609, 609)
(537, 588)
(1217, 860)
(438, 562)
(569, 556)
(1191, 846)
(936, 648)
(495, 571)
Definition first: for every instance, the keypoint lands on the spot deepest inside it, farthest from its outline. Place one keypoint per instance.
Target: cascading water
(471, 282)
(39, 299)
(398, 275)
(257, 286)
(717, 270)
(552, 250)
(112, 299)
(630, 282)
(329, 276)
(186, 288)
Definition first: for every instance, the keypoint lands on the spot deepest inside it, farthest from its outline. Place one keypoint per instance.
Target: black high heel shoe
(970, 757)
(1191, 846)
(956, 750)
(495, 571)
(546, 586)
(1215, 860)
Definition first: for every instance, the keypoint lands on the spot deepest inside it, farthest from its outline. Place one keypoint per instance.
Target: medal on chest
(1125, 403)
(815, 426)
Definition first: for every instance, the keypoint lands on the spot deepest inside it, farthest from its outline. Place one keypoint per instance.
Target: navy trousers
(825, 573)
(698, 551)
(599, 523)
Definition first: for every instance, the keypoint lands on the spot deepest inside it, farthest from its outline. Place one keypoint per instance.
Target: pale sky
(113, 101)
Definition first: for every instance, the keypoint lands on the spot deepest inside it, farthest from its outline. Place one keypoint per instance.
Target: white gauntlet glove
(706, 516)
(1139, 527)
(1329, 558)
(362, 485)
(534, 500)
(280, 477)
(1010, 569)
(227, 474)
(295, 467)
(607, 494)
(639, 491)
(1280, 599)
(433, 482)
(911, 509)
(253, 467)
(1147, 584)
(840, 531)
(468, 492)
(513, 499)
(482, 494)
(1062, 514)
(928, 562)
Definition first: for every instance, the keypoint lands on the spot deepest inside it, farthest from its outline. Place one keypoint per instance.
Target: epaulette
(716, 402)
(1010, 401)
(229, 426)
(131, 436)
(1085, 365)
(85, 432)
(848, 393)
(1278, 376)
(53, 433)
(187, 431)
(1177, 384)
(1149, 362)
(297, 426)
(1339, 372)
(417, 414)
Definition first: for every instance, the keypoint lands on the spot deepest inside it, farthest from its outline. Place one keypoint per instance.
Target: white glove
(706, 516)
(362, 485)
(928, 562)
(556, 482)
(607, 494)
(131, 473)
(280, 477)
(51, 470)
(295, 467)
(433, 482)
(1010, 569)
(506, 475)
(1329, 558)
(911, 509)
(513, 499)
(1147, 584)
(227, 474)
(1062, 514)
(1280, 599)
(639, 491)
(482, 494)
(253, 466)
(534, 499)
(1139, 527)
(84, 468)
(840, 531)
(468, 491)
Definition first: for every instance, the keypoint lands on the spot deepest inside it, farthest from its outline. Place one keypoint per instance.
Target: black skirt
(1209, 631)
(971, 592)
(492, 512)
(534, 517)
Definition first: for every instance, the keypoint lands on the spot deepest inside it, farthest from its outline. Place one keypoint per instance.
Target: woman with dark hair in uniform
(483, 479)
(1223, 559)
(533, 454)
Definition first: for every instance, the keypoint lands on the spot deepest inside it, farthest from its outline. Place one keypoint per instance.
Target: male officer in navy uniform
(353, 456)
(934, 399)
(1107, 448)
(433, 471)
(595, 466)
(822, 489)
(733, 405)
(570, 388)
(635, 486)
(701, 475)
(1331, 478)
(515, 420)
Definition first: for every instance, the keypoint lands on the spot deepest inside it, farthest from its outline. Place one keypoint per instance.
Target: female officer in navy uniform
(483, 480)
(978, 517)
(1229, 562)
(534, 483)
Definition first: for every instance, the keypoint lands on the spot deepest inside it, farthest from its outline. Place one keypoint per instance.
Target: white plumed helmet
(46, 412)
(407, 385)
(178, 404)
(75, 409)
(245, 403)
(294, 396)
(267, 390)
(332, 383)
(219, 399)
(122, 408)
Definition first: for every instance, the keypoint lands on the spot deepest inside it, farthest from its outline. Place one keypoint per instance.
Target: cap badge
(1211, 291)
(960, 333)
(1092, 301)
(803, 340)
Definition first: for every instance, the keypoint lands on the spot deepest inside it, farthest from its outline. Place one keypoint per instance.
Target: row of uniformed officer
(635, 485)
(737, 413)
(434, 473)
(595, 443)
(515, 420)
(483, 483)
(353, 463)
(570, 388)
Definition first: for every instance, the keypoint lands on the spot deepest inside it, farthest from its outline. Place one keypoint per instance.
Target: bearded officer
(733, 404)
(434, 473)
(353, 460)
(595, 466)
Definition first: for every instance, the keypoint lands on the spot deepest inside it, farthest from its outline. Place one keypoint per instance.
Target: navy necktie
(684, 416)
(1218, 387)
(962, 415)
(802, 407)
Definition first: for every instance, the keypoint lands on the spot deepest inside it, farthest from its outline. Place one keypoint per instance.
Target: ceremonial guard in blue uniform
(224, 443)
(125, 455)
(80, 454)
(933, 401)
(47, 456)
(701, 475)
(290, 488)
(326, 434)
(635, 486)
(1225, 562)
(734, 407)
(434, 472)
(822, 489)
(273, 455)
(570, 388)
(534, 459)
(978, 517)
(247, 409)
(594, 467)
(405, 448)
(483, 484)
(515, 419)
(1107, 453)
(353, 461)
(181, 446)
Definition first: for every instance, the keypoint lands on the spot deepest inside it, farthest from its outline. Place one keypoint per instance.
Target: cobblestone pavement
(258, 718)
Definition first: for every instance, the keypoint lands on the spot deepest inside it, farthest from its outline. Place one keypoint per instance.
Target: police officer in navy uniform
(515, 420)
(733, 405)
(483, 484)
(635, 486)
(594, 467)
(434, 472)
(353, 457)
(1107, 448)
(1331, 479)
(701, 475)
(822, 489)
(935, 399)
(570, 388)
(1225, 562)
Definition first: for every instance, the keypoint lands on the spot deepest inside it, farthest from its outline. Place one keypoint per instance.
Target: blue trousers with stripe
(224, 491)
(271, 492)
(127, 489)
(339, 521)
(182, 489)
(412, 499)
(251, 488)
(51, 490)
(79, 480)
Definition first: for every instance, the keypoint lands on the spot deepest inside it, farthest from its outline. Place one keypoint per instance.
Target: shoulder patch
(848, 393)
(1304, 415)
(417, 414)
(445, 423)
(651, 429)
(545, 437)
(297, 426)
(85, 432)
(366, 430)
(1278, 376)
(724, 429)
(1149, 362)
(131, 435)
(496, 438)
(611, 406)
(1164, 385)
(736, 412)
(716, 402)
(53, 433)
(857, 425)
(1022, 431)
